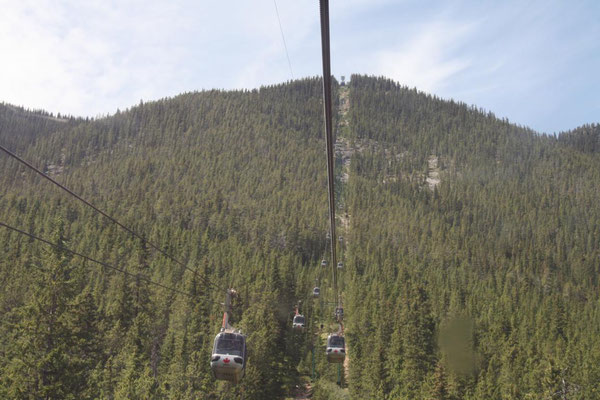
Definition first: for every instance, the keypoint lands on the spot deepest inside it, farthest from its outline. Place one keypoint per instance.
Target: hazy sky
(535, 62)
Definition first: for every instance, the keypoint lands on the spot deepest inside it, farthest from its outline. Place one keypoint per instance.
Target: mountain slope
(483, 285)
(227, 180)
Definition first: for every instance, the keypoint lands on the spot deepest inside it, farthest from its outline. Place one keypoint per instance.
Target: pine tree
(46, 353)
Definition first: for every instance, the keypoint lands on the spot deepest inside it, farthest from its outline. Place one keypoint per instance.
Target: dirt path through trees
(345, 151)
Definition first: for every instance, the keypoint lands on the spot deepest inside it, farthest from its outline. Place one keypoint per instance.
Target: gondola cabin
(323, 263)
(340, 265)
(339, 313)
(316, 292)
(299, 322)
(336, 348)
(228, 361)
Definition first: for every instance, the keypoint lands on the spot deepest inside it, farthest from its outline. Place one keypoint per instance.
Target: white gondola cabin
(228, 361)
(340, 265)
(323, 263)
(336, 348)
(316, 292)
(299, 322)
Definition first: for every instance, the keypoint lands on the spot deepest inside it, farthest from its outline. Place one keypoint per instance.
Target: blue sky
(536, 63)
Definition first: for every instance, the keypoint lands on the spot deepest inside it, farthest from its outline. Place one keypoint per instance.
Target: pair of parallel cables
(110, 218)
(324, 4)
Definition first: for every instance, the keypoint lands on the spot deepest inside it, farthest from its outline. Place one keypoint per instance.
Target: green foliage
(501, 251)
(482, 287)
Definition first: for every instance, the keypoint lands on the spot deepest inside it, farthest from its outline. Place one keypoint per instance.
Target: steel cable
(129, 230)
(61, 247)
(327, 108)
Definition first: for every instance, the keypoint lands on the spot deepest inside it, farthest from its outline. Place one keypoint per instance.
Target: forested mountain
(470, 250)
(20, 127)
(585, 138)
(484, 287)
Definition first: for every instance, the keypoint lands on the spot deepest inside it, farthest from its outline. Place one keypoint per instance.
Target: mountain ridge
(497, 259)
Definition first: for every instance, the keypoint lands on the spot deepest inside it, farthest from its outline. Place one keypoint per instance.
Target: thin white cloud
(529, 62)
(87, 57)
(428, 59)
(257, 71)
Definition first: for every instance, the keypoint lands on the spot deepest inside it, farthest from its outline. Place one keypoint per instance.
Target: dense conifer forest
(470, 247)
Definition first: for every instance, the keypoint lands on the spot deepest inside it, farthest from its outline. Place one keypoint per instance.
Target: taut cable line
(327, 107)
(114, 220)
(283, 39)
(87, 258)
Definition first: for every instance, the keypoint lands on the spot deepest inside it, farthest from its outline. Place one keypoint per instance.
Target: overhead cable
(283, 38)
(129, 230)
(62, 247)
(327, 108)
